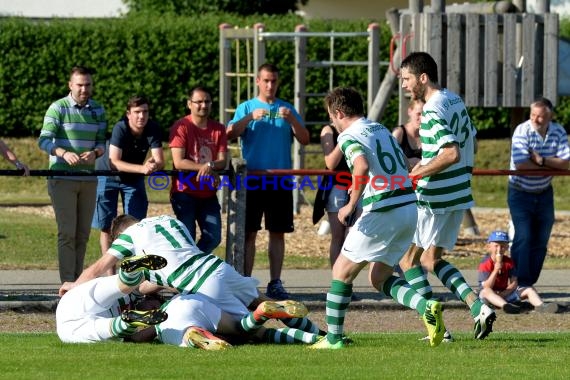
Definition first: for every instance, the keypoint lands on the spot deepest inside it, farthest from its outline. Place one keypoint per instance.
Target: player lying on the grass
(193, 320)
(99, 309)
(385, 227)
(188, 270)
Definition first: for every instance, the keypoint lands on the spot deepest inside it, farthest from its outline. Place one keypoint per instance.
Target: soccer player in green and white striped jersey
(189, 270)
(444, 186)
(101, 309)
(194, 319)
(384, 230)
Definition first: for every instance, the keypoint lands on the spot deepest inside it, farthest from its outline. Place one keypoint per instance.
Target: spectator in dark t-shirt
(131, 139)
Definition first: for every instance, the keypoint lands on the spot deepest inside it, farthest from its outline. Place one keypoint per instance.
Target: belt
(519, 188)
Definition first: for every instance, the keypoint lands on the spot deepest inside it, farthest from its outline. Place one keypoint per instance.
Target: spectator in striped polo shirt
(73, 135)
(538, 143)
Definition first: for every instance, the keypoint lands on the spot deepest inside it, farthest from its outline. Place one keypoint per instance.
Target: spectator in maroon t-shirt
(499, 285)
(200, 145)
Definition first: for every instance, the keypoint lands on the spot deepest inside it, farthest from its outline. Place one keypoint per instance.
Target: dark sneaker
(548, 308)
(144, 318)
(141, 262)
(509, 308)
(447, 338)
(276, 291)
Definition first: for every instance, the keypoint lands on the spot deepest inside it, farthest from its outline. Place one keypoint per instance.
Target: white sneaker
(484, 322)
(324, 228)
(447, 338)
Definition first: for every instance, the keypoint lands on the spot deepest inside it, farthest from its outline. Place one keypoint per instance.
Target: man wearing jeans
(133, 137)
(199, 145)
(537, 144)
(73, 135)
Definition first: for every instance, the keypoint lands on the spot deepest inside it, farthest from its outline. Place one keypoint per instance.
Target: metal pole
(258, 51)
(373, 63)
(300, 91)
(235, 232)
(224, 82)
(376, 110)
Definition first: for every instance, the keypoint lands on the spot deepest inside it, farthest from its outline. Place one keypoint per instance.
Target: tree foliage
(163, 56)
(197, 7)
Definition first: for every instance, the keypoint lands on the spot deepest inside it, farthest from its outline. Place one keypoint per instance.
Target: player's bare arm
(359, 171)
(98, 268)
(449, 155)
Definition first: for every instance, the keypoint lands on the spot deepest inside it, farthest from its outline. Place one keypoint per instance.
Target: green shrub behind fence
(157, 56)
(162, 56)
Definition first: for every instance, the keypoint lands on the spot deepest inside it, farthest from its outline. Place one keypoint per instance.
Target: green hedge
(158, 56)
(162, 57)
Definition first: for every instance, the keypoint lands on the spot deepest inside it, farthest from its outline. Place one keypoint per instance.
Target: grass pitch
(372, 356)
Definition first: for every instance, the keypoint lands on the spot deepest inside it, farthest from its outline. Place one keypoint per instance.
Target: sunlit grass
(371, 356)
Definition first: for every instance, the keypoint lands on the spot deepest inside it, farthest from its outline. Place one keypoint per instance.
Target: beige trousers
(73, 204)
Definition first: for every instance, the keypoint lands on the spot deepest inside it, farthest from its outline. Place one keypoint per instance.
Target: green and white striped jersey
(445, 120)
(388, 185)
(187, 267)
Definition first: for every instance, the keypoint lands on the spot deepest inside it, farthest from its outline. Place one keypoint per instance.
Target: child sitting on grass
(499, 286)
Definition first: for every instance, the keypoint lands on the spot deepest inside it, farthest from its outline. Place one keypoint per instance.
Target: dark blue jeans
(133, 195)
(204, 211)
(533, 218)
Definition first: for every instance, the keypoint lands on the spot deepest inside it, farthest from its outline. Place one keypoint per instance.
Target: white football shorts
(229, 290)
(438, 230)
(185, 310)
(84, 314)
(381, 236)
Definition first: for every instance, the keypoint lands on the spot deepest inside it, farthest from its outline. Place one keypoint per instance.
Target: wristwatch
(211, 165)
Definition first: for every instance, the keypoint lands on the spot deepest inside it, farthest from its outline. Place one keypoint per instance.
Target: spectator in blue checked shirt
(537, 144)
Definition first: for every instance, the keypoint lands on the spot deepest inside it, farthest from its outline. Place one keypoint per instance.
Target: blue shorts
(337, 199)
(133, 196)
